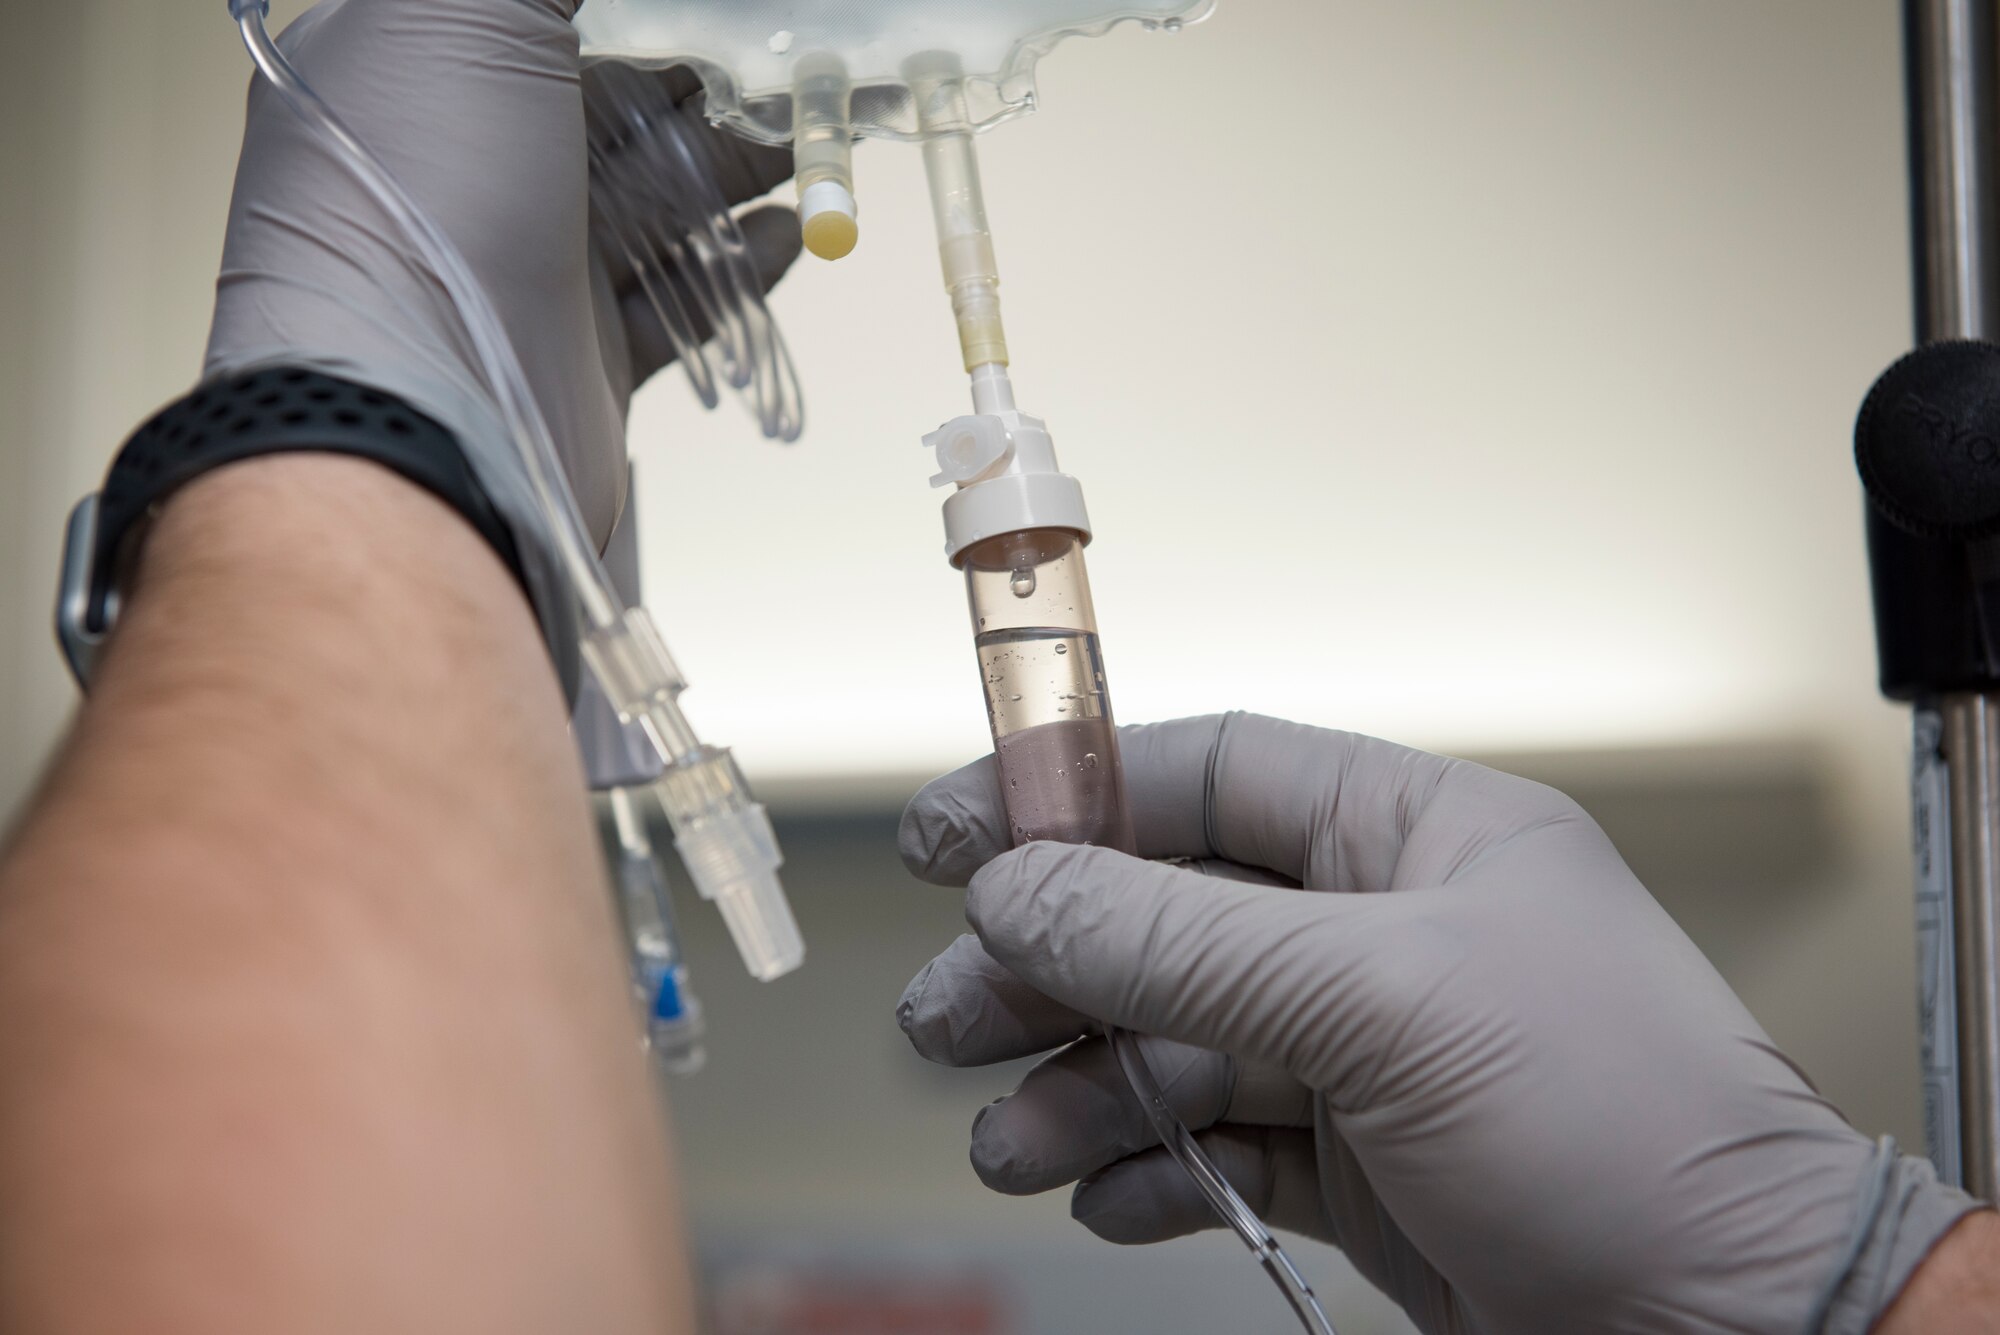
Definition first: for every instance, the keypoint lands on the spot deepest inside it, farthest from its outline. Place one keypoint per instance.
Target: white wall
(35, 157)
(121, 132)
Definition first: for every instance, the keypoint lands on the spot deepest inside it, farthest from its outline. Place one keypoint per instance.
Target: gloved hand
(1471, 1051)
(477, 108)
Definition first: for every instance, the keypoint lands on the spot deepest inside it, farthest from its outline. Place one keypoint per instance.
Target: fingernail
(991, 1162)
(1103, 1204)
(906, 1008)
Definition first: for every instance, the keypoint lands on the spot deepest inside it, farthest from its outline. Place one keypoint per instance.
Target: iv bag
(746, 51)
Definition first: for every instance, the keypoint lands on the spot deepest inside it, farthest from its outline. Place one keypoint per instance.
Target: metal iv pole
(1928, 446)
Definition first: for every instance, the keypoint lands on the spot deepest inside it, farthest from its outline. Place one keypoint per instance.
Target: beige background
(1474, 372)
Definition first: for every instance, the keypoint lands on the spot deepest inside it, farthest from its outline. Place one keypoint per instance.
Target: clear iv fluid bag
(747, 51)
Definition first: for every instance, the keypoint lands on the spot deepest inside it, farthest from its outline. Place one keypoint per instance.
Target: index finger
(958, 823)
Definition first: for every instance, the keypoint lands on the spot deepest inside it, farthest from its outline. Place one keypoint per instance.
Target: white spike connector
(1003, 463)
(1001, 460)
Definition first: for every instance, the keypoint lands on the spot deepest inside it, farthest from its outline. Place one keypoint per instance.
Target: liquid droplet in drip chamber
(1090, 761)
(1023, 583)
(1062, 648)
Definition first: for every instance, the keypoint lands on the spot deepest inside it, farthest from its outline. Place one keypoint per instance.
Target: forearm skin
(1957, 1289)
(313, 1011)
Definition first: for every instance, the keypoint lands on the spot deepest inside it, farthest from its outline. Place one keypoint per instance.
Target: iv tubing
(971, 274)
(1225, 1200)
(722, 834)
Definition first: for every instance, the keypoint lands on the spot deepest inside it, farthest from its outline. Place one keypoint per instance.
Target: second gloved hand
(1420, 1010)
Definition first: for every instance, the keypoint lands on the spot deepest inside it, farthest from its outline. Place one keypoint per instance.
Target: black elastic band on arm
(274, 411)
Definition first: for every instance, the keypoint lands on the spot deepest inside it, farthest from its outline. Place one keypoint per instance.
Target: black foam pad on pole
(1928, 442)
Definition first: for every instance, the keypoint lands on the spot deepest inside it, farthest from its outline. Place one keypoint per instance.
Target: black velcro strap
(279, 410)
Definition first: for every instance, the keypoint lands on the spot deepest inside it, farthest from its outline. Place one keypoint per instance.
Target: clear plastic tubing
(722, 834)
(958, 207)
(1040, 663)
(667, 1004)
(658, 204)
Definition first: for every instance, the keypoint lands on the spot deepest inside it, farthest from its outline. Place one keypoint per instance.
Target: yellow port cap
(827, 218)
(830, 235)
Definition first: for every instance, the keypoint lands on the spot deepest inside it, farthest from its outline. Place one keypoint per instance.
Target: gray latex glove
(476, 106)
(1472, 1052)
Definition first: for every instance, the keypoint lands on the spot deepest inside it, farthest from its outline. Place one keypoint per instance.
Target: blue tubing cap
(667, 1001)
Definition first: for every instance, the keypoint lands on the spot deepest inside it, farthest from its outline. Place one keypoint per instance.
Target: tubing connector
(726, 842)
(958, 207)
(720, 830)
(667, 1005)
(823, 155)
(1003, 463)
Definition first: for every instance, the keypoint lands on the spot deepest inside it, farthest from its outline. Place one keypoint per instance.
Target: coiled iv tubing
(657, 205)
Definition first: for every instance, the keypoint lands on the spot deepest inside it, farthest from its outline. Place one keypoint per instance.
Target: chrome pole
(1971, 751)
(1952, 68)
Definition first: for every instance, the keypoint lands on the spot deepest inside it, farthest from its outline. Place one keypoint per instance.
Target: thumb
(1307, 981)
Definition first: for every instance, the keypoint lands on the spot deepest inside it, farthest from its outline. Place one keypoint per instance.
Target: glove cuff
(1901, 1213)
